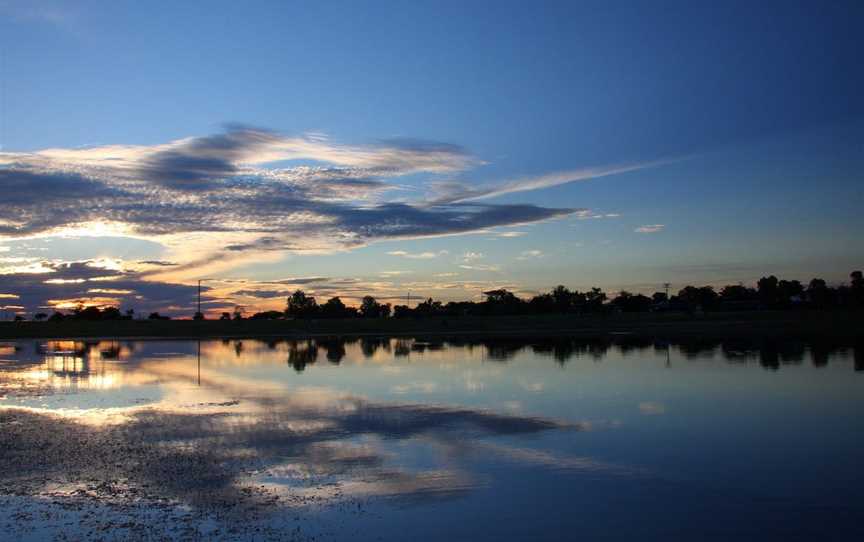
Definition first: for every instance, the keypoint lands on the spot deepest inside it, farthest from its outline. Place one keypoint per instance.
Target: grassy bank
(800, 325)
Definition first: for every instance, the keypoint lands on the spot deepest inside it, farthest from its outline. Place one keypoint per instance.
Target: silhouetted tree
(768, 292)
(542, 304)
(429, 307)
(659, 297)
(628, 302)
(704, 297)
(818, 293)
(39, 316)
(334, 308)
(738, 293)
(301, 306)
(562, 298)
(268, 315)
(502, 301)
(402, 311)
(370, 308)
(856, 285)
(57, 317)
(225, 316)
(111, 313)
(157, 316)
(594, 299)
(789, 292)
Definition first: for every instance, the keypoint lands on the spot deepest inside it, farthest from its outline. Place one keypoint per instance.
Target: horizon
(442, 150)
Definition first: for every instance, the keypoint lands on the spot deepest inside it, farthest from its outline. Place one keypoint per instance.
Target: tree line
(90, 314)
(770, 293)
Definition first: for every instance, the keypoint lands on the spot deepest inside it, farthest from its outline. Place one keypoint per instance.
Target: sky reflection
(433, 422)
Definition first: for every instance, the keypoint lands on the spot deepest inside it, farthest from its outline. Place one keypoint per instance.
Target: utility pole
(666, 286)
(408, 300)
(200, 315)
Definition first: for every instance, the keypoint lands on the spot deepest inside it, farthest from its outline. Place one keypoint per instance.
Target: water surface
(463, 439)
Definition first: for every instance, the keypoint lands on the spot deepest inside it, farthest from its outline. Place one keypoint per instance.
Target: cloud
(300, 280)
(650, 228)
(393, 273)
(650, 408)
(530, 255)
(479, 267)
(158, 263)
(217, 186)
(417, 255)
(471, 256)
(62, 285)
(587, 214)
(56, 285)
(44, 12)
(414, 387)
(510, 234)
(263, 294)
(454, 191)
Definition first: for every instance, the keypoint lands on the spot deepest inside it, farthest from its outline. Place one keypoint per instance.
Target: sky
(433, 148)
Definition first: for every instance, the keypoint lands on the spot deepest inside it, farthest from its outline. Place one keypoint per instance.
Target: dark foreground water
(396, 439)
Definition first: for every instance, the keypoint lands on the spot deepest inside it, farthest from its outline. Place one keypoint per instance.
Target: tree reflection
(302, 353)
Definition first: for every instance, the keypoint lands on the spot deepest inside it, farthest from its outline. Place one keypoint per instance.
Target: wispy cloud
(651, 408)
(417, 255)
(215, 191)
(41, 11)
(454, 191)
(587, 214)
(507, 235)
(650, 228)
(481, 267)
(393, 273)
(530, 255)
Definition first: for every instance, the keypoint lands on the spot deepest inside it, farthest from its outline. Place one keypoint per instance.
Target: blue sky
(735, 130)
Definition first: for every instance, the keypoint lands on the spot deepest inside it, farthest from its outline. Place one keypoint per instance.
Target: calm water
(460, 440)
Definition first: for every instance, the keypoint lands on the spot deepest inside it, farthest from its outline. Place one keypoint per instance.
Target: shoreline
(833, 325)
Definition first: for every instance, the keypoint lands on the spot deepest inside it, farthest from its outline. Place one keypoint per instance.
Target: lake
(431, 439)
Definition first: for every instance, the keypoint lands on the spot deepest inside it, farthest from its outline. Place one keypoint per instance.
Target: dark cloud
(263, 243)
(32, 201)
(403, 220)
(262, 294)
(423, 145)
(85, 281)
(304, 280)
(206, 184)
(160, 263)
(202, 162)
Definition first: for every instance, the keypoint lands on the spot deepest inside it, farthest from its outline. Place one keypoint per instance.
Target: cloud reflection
(244, 429)
(210, 445)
